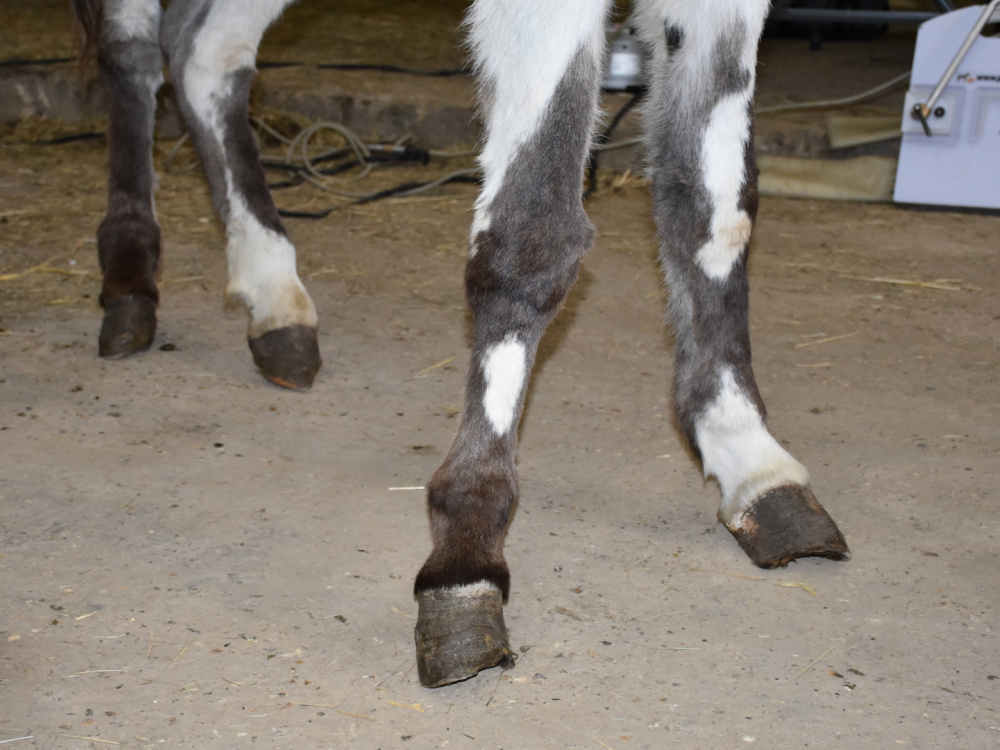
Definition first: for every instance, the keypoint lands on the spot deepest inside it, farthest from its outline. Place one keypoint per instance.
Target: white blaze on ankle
(504, 367)
(523, 49)
(262, 272)
(738, 450)
(723, 169)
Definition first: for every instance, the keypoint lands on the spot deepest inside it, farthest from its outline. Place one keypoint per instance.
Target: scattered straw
(942, 284)
(404, 489)
(724, 573)
(600, 743)
(393, 672)
(312, 705)
(96, 671)
(17, 739)
(818, 660)
(442, 363)
(231, 682)
(330, 706)
(181, 652)
(414, 706)
(42, 268)
(407, 615)
(633, 565)
(795, 584)
(826, 340)
(89, 739)
(786, 584)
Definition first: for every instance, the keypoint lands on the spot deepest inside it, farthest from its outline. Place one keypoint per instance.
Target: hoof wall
(288, 357)
(787, 523)
(128, 327)
(460, 633)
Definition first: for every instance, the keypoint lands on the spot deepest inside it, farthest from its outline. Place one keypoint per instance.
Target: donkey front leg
(211, 46)
(539, 76)
(128, 239)
(700, 143)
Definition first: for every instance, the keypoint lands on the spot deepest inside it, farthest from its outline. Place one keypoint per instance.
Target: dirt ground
(190, 557)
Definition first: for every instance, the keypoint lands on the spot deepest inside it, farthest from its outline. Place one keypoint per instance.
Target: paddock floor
(190, 557)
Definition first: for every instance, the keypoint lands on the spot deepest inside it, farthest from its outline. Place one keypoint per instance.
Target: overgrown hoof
(288, 357)
(128, 327)
(459, 633)
(787, 523)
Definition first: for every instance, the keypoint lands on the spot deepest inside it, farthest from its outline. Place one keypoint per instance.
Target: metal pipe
(872, 17)
(921, 111)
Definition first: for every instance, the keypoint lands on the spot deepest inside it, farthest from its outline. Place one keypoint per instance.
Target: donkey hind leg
(128, 239)
(539, 71)
(211, 46)
(700, 144)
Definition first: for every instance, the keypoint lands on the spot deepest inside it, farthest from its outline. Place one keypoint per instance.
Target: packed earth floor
(191, 557)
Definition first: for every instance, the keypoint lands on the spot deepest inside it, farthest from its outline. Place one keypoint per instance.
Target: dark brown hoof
(459, 633)
(128, 327)
(787, 523)
(288, 357)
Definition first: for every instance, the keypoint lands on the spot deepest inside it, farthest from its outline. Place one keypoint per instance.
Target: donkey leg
(539, 76)
(700, 143)
(128, 239)
(211, 46)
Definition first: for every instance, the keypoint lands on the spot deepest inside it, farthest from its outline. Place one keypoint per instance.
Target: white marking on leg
(474, 589)
(133, 19)
(480, 223)
(262, 274)
(723, 169)
(740, 453)
(504, 369)
(700, 21)
(226, 42)
(523, 49)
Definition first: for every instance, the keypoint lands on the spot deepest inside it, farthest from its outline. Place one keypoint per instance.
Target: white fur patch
(738, 450)
(701, 22)
(523, 49)
(226, 42)
(504, 368)
(723, 169)
(262, 273)
(133, 19)
(480, 223)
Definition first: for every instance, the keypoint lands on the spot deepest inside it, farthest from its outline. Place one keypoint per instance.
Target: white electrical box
(958, 164)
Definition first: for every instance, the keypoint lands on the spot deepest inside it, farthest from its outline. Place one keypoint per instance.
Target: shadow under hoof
(288, 357)
(459, 633)
(787, 523)
(129, 326)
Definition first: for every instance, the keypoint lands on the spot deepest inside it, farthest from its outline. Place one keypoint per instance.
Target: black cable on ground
(92, 135)
(388, 193)
(261, 64)
(16, 61)
(604, 137)
(443, 73)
